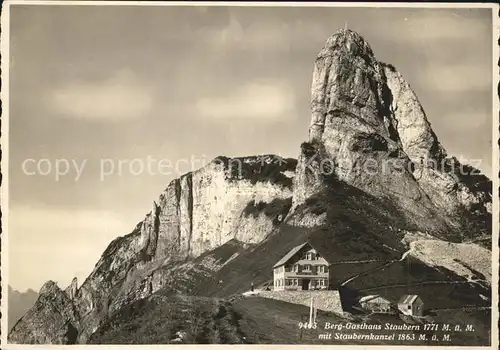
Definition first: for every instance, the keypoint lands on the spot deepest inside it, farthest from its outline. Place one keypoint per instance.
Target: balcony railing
(305, 273)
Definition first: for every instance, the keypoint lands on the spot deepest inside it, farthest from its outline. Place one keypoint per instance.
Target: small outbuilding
(411, 305)
(376, 304)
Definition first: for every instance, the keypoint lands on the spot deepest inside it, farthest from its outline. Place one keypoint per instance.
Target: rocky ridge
(194, 214)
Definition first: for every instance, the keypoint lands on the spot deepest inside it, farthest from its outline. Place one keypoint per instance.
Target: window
(321, 269)
(295, 268)
(307, 268)
(321, 283)
(295, 282)
(310, 256)
(409, 307)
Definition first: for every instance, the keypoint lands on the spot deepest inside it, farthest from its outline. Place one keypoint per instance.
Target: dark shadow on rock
(71, 333)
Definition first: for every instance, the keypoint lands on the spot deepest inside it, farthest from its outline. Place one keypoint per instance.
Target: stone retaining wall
(326, 300)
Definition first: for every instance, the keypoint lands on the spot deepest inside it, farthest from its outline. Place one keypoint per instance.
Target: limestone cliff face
(369, 129)
(196, 213)
(202, 210)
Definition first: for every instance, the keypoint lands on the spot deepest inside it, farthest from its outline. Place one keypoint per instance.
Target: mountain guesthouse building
(302, 268)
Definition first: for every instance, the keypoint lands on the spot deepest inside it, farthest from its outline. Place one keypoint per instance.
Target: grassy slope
(255, 320)
(188, 277)
(157, 319)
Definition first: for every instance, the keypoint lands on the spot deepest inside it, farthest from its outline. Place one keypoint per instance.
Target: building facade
(376, 304)
(411, 305)
(302, 268)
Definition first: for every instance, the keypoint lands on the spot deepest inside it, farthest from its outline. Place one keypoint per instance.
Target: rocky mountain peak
(347, 42)
(72, 289)
(369, 127)
(348, 80)
(49, 287)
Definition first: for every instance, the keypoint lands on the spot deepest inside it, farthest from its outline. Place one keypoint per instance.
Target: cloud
(456, 78)
(261, 36)
(433, 25)
(117, 98)
(58, 244)
(430, 25)
(258, 100)
(233, 35)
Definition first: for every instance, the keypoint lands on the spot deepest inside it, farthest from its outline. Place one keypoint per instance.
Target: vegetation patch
(273, 209)
(168, 319)
(265, 168)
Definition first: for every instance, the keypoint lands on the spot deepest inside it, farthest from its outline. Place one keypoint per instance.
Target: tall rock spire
(369, 125)
(347, 78)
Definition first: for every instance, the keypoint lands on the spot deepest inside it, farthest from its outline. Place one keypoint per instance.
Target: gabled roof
(290, 254)
(408, 299)
(369, 298)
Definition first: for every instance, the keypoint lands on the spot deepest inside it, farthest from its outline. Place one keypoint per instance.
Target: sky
(105, 94)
